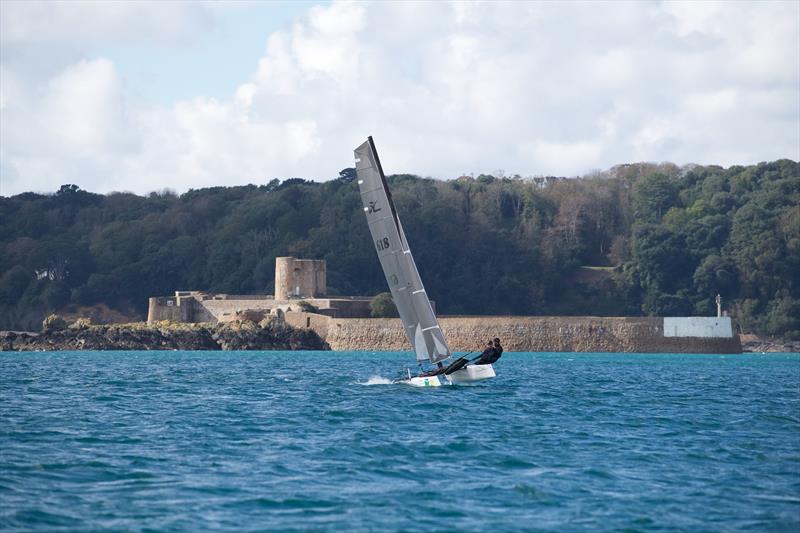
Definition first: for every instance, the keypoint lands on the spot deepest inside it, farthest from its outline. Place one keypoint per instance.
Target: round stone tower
(299, 278)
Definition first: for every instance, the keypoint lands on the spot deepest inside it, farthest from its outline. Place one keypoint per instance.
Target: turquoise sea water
(187, 441)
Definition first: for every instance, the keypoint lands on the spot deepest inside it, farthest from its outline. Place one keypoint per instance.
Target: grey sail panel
(421, 327)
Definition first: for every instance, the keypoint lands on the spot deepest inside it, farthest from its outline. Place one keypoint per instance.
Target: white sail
(421, 327)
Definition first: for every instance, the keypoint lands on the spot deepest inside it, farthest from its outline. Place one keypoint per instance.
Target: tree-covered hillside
(638, 239)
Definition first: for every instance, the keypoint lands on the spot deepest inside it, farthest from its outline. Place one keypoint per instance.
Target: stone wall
(181, 309)
(315, 321)
(352, 307)
(195, 306)
(226, 310)
(518, 334)
(167, 308)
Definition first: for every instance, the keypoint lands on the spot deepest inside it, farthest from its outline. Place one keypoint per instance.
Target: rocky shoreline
(273, 335)
(753, 344)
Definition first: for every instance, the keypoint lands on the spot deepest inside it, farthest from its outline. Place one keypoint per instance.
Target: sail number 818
(382, 244)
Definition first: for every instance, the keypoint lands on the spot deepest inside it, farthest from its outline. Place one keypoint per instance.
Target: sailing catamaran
(419, 321)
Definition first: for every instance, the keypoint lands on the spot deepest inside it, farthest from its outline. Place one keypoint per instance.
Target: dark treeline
(638, 239)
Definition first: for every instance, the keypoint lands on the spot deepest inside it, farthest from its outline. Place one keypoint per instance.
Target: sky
(145, 96)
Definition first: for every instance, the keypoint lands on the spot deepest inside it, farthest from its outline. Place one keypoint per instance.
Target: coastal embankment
(313, 331)
(536, 334)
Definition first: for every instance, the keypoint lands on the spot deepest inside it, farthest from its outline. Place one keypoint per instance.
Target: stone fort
(300, 299)
(300, 284)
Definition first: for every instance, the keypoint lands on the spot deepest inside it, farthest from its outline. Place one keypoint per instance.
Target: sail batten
(420, 324)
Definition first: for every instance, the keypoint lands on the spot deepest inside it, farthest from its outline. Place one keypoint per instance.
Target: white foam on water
(376, 380)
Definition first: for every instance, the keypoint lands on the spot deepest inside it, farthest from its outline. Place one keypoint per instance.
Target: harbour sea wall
(536, 334)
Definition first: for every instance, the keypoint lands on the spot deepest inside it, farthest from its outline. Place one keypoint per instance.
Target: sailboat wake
(376, 380)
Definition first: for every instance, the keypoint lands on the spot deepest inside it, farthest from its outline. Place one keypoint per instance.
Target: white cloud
(566, 158)
(532, 88)
(82, 22)
(83, 111)
(711, 103)
(76, 124)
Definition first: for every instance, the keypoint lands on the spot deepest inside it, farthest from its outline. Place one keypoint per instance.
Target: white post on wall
(718, 299)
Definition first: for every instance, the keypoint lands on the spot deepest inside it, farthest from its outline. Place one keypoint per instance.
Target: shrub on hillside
(382, 306)
(81, 324)
(307, 307)
(53, 323)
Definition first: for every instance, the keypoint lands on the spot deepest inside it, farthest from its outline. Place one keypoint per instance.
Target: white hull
(429, 381)
(468, 374)
(472, 374)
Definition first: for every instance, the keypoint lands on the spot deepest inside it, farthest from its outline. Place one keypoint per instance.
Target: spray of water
(376, 380)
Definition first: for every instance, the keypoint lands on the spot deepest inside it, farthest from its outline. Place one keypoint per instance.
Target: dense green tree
(659, 240)
(715, 275)
(653, 196)
(382, 306)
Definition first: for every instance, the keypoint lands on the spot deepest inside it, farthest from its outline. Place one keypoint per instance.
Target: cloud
(534, 88)
(83, 108)
(77, 123)
(79, 23)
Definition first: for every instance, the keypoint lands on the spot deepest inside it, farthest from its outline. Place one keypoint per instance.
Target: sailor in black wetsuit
(487, 357)
(490, 355)
(458, 364)
(498, 350)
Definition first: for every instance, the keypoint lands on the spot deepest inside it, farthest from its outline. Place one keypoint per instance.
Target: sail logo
(372, 207)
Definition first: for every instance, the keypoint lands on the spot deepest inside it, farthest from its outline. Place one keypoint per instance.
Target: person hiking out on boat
(498, 350)
(487, 357)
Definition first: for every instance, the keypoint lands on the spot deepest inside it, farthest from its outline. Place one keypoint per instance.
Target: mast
(419, 321)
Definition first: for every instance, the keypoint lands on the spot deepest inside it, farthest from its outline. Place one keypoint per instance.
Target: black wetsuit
(498, 351)
(487, 357)
(490, 355)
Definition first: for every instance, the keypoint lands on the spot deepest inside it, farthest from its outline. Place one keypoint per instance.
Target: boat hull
(472, 374)
(427, 381)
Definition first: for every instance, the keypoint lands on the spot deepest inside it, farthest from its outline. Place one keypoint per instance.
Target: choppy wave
(187, 441)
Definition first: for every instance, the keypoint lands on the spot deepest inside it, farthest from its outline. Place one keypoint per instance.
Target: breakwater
(311, 331)
(531, 334)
